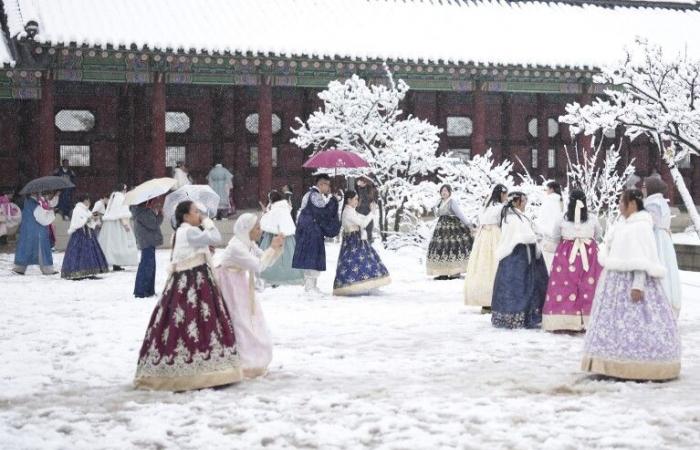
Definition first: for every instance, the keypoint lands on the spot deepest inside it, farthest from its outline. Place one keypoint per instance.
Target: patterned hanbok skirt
(281, 272)
(359, 267)
(519, 289)
(571, 290)
(482, 267)
(189, 341)
(449, 247)
(632, 340)
(84, 257)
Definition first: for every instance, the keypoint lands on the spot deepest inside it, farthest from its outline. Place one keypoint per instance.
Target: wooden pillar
(217, 104)
(47, 134)
(695, 186)
(264, 138)
(506, 114)
(479, 129)
(158, 127)
(582, 141)
(542, 136)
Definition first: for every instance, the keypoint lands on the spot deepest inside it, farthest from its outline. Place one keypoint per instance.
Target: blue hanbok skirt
(84, 257)
(519, 289)
(359, 267)
(281, 272)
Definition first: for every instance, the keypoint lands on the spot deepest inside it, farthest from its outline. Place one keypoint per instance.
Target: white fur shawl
(278, 219)
(516, 229)
(81, 216)
(631, 246)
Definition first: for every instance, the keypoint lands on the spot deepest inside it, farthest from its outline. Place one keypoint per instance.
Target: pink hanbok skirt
(253, 340)
(571, 288)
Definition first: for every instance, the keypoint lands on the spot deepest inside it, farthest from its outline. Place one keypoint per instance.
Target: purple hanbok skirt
(189, 341)
(632, 340)
(84, 257)
(571, 288)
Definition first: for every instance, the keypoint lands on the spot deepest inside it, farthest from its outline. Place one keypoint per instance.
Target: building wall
(121, 142)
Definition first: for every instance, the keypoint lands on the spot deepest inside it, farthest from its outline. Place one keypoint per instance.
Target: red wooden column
(695, 187)
(479, 129)
(542, 136)
(264, 139)
(584, 142)
(158, 127)
(47, 135)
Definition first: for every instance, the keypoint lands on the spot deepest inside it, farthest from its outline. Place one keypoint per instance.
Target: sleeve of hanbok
(203, 238)
(45, 217)
(457, 211)
(556, 231)
(327, 218)
(639, 280)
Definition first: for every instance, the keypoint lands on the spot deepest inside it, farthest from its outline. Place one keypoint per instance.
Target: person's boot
(117, 268)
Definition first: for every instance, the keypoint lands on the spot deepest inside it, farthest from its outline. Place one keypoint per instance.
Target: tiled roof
(550, 33)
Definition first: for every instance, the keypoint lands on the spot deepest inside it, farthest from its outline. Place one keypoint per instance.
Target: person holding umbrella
(65, 201)
(34, 244)
(318, 219)
(147, 220)
(367, 195)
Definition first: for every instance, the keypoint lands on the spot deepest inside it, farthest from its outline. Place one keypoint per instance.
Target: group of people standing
(558, 274)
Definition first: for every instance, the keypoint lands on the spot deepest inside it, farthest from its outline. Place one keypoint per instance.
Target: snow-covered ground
(409, 369)
(686, 238)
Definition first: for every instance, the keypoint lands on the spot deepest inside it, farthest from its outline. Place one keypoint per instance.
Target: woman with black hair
(549, 216)
(278, 221)
(521, 279)
(448, 251)
(360, 269)
(632, 333)
(575, 268)
(84, 257)
(482, 265)
(657, 205)
(190, 341)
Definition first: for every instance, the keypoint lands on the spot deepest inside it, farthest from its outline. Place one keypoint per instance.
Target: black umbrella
(46, 184)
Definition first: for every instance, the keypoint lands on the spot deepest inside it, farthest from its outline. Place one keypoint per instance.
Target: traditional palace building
(123, 89)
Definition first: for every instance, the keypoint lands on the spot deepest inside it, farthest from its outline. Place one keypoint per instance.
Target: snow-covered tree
(651, 93)
(367, 119)
(602, 183)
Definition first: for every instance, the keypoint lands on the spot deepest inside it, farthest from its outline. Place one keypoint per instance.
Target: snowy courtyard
(411, 368)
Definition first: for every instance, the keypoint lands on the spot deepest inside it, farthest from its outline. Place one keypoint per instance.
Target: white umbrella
(148, 190)
(207, 200)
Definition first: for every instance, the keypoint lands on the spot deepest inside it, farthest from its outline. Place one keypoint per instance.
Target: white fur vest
(631, 246)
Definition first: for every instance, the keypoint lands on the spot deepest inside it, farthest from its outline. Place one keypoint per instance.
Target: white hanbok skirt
(118, 245)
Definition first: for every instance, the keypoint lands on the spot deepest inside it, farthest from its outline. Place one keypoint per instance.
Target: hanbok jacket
(318, 219)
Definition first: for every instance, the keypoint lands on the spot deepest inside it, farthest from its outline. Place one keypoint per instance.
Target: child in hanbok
(657, 206)
(549, 216)
(360, 269)
(451, 243)
(274, 222)
(633, 333)
(521, 279)
(190, 342)
(10, 217)
(236, 269)
(482, 264)
(117, 236)
(34, 242)
(575, 269)
(83, 257)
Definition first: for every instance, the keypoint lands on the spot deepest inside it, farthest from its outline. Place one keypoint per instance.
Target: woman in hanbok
(575, 269)
(359, 269)
(34, 243)
(451, 243)
(10, 217)
(482, 265)
(98, 211)
(236, 270)
(657, 206)
(521, 279)
(83, 257)
(278, 221)
(189, 342)
(549, 216)
(117, 236)
(633, 333)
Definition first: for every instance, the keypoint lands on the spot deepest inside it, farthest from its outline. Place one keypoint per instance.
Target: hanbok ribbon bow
(580, 248)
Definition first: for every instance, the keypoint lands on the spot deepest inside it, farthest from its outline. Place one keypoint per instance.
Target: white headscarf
(243, 226)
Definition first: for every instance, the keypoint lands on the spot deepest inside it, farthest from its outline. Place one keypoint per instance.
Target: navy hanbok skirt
(359, 267)
(520, 289)
(84, 257)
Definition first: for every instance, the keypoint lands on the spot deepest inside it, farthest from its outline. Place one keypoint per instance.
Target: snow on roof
(485, 31)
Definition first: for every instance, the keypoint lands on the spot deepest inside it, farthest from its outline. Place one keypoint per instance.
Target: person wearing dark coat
(368, 194)
(65, 201)
(147, 220)
(318, 219)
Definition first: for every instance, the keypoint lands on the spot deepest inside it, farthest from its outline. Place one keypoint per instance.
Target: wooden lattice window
(176, 122)
(77, 155)
(254, 156)
(74, 120)
(175, 154)
(252, 123)
(459, 126)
